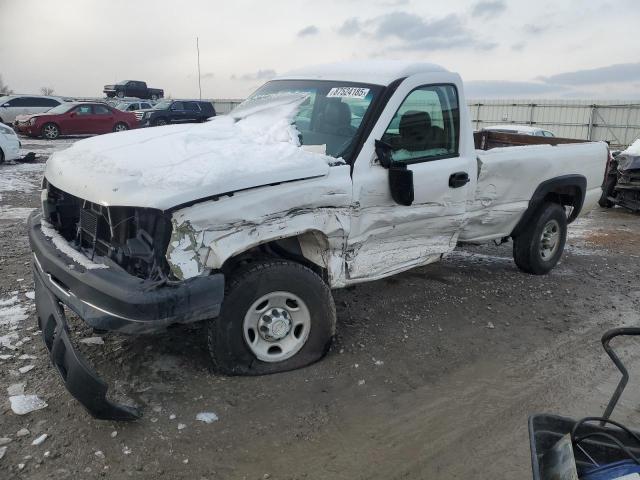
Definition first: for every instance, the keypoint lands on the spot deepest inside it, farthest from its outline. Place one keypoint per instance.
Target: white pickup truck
(323, 178)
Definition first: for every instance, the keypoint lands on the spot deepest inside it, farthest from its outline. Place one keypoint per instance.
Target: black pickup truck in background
(133, 88)
(175, 111)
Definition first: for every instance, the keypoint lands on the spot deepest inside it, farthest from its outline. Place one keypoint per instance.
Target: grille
(136, 239)
(139, 115)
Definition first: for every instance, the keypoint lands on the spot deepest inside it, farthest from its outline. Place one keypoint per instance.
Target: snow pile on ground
(8, 212)
(23, 404)
(633, 149)
(61, 244)
(11, 311)
(207, 417)
(23, 178)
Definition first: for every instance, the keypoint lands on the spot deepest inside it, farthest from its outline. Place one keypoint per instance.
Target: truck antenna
(198, 50)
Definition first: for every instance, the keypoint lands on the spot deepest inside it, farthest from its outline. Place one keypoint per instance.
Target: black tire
(230, 352)
(1, 157)
(160, 122)
(50, 131)
(608, 191)
(120, 94)
(120, 127)
(154, 97)
(528, 245)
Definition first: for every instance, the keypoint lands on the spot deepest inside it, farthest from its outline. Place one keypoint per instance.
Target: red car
(80, 118)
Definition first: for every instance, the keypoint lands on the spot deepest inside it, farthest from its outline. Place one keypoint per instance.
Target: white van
(14, 105)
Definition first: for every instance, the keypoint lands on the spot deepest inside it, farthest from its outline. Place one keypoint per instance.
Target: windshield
(62, 108)
(332, 114)
(122, 105)
(123, 82)
(162, 106)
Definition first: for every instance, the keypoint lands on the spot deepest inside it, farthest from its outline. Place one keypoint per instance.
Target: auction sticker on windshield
(348, 92)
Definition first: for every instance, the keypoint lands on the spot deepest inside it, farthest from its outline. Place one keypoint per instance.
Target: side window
(49, 102)
(101, 110)
(192, 106)
(32, 102)
(426, 126)
(144, 105)
(83, 110)
(16, 102)
(177, 106)
(547, 133)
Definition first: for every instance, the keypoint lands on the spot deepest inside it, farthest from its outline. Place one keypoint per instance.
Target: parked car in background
(519, 129)
(133, 105)
(13, 105)
(622, 180)
(176, 111)
(79, 118)
(132, 88)
(9, 144)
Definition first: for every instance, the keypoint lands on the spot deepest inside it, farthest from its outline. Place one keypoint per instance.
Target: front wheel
(50, 131)
(120, 127)
(160, 122)
(120, 94)
(276, 316)
(154, 97)
(539, 247)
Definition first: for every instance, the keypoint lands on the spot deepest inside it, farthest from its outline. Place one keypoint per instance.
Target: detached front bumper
(107, 299)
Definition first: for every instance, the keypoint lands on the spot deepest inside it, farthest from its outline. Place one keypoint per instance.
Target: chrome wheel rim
(50, 131)
(161, 123)
(120, 128)
(276, 326)
(550, 239)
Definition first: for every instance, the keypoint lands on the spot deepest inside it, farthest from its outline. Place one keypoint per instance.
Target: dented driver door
(427, 127)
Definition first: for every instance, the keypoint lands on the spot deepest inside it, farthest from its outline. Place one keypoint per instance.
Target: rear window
(191, 106)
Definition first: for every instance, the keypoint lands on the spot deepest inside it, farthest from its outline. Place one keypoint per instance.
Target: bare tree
(4, 89)
(47, 91)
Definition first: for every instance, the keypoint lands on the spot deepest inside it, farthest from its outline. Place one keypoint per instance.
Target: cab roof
(377, 72)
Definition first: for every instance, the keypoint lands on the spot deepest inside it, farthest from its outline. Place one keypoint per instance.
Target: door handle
(458, 179)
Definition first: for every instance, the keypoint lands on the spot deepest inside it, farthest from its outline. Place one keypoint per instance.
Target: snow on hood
(162, 167)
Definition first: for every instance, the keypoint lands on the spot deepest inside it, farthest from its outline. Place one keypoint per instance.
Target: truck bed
(512, 166)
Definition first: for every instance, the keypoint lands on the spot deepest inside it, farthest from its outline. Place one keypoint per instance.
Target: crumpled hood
(162, 167)
(29, 116)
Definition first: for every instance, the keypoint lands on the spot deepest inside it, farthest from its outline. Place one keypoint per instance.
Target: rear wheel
(539, 247)
(154, 97)
(276, 316)
(120, 94)
(120, 127)
(1, 157)
(50, 131)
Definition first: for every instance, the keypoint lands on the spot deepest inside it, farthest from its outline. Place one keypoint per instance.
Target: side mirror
(400, 177)
(72, 114)
(384, 152)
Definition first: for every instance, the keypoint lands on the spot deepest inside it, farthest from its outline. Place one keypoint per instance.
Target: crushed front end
(108, 265)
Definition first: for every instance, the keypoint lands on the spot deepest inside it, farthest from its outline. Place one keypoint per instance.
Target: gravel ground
(432, 375)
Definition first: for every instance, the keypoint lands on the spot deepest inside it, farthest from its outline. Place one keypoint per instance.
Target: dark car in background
(77, 118)
(176, 111)
(133, 88)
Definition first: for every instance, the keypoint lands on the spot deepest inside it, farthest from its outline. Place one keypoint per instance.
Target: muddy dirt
(432, 375)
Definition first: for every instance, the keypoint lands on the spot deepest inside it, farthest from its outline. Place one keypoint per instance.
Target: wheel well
(567, 190)
(305, 248)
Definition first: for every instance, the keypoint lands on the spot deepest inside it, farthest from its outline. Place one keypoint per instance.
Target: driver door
(423, 127)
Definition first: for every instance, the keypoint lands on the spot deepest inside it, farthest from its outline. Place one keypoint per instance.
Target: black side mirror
(400, 177)
(401, 184)
(383, 152)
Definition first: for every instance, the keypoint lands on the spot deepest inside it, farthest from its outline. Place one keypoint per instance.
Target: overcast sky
(502, 48)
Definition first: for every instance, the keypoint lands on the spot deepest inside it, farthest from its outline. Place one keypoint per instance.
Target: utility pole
(198, 50)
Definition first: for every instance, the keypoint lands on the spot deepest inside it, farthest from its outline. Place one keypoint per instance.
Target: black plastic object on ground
(601, 444)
